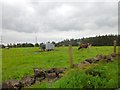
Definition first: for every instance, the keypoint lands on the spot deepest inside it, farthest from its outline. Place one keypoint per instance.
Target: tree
(2, 46)
(10, 45)
(36, 45)
(105, 40)
(14, 45)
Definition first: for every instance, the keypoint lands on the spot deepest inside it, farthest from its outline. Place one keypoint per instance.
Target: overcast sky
(23, 20)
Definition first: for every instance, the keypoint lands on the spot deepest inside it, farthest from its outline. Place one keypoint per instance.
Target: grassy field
(18, 62)
(77, 78)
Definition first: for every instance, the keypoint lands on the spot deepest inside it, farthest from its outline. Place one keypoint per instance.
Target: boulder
(100, 57)
(38, 73)
(85, 62)
(96, 60)
(109, 58)
(56, 71)
(75, 65)
(89, 60)
(12, 84)
(50, 76)
(27, 80)
(60, 70)
(113, 55)
(51, 70)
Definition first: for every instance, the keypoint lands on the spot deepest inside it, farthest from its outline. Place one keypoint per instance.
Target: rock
(100, 57)
(51, 76)
(12, 84)
(38, 73)
(105, 57)
(81, 65)
(60, 70)
(89, 60)
(61, 75)
(85, 62)
(54, 73)
(27, 80)
(51, 70)
(75, 65)
(113, 55)
(49, 73)
(109, 58)
(55, 70)
(96, 60)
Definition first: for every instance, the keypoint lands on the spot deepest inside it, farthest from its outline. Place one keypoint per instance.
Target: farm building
(47, 47)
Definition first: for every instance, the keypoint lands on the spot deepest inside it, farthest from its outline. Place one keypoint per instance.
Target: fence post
(70, 56)
(114, 46)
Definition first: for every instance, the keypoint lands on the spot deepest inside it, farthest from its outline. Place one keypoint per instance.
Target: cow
(84, 46)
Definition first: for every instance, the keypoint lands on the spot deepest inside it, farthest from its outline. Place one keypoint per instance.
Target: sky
(56, 20)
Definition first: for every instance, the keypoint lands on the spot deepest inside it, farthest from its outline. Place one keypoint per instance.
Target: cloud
(43, 17)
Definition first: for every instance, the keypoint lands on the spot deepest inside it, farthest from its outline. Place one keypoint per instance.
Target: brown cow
(84, 46)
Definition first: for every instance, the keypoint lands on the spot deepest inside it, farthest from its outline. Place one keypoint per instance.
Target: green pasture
(18, 62)
(77, 78)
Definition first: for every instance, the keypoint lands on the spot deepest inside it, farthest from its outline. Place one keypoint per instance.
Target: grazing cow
(84, 46)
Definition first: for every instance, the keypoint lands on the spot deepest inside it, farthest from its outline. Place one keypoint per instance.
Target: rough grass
(77, 78)
(17, 62)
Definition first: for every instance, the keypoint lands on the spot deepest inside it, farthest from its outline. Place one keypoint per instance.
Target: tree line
(20, 45)
(104, 40)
